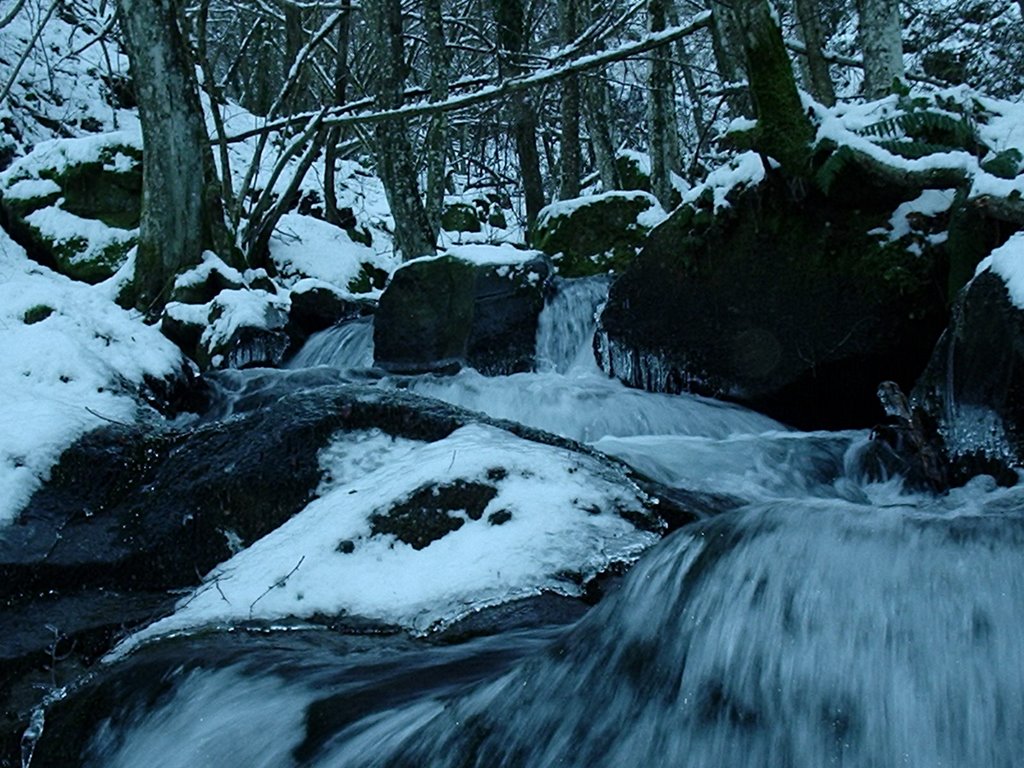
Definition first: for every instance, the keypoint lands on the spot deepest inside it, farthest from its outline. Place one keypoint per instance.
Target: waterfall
(347, 346)
(565, 330)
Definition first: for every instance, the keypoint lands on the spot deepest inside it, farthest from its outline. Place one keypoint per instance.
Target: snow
(1007, 262)
(64, 228)
(305, 247)
(745, 170)
(481, 255)
(66, 373)
(930, 203)
(243, 308)
(564, 519)
(565, 208)
(57, 155)
(200, 273)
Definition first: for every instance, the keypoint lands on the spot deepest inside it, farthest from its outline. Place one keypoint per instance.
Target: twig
(107, 418)
(279, 583)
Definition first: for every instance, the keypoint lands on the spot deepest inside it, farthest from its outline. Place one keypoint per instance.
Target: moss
(370, 278)
(460, 217)
(427, 515)
(37, 314)
(596, 237)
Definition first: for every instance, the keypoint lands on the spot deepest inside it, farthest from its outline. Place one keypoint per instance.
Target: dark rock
(443, 313)
(426, 515)
(596, 234)
(139, 508)
(974, 385)
(460, 217)
(318, 305)
(786, 305)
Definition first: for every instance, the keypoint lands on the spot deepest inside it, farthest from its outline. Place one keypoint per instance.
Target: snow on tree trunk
(176, 212)
(882, 44)
(808, 14)
(413, 234)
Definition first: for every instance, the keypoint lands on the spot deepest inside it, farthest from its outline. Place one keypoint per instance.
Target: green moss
(596, 237)
(460, 217)
(369, 278)
(37, 314)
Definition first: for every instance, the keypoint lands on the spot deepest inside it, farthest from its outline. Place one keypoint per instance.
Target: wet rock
(595, 234)
(440, 314)
(786, 305)
(974, 385)
(317, 305)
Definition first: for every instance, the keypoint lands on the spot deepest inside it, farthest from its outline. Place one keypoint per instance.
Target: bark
(597, 112)
(661, 119)
(784, 131)
(180, 205)
(728, 49)
(436, 148)
(570, 165)
(882, 45)
(692, 92)
(341, 77)
(511, 32)
(808, 13)
(294, 39)
(413, 234)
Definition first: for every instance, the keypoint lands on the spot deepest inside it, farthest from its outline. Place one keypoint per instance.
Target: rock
(75, 204)
(440, 314)
(202, 283)
(974, 385)
(317, 305)
(788, 306)
(595, 234)
(460, 217)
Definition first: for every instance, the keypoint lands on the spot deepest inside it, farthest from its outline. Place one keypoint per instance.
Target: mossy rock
(634, 170)
(77, 216)
(460, 217)
(370, 278)
(596, 234)
(791, 306)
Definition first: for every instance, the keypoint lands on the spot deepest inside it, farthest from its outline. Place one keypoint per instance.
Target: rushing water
(829, 621)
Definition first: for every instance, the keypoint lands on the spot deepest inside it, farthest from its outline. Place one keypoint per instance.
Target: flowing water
(827, 621)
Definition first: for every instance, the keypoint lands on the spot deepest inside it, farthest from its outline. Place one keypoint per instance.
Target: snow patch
(1007, 262)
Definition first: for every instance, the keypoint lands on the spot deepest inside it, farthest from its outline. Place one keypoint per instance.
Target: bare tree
(181, 211)
(808, 14)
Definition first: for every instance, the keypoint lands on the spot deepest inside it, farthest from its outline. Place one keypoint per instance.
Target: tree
(570, 161)
(661, 123)
(808, 14)
(511, 47)
(784, 131)
(413, 233)
(181, 209)
(882, 44)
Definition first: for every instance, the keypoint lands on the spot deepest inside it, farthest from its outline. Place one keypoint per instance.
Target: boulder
(316, 305)
(795, 305)
(476, 306)
(75, 204)
(973, 387)
(460, 217)
(597, 233)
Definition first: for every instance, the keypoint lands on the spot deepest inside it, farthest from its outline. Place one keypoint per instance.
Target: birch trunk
(882, 45)
(179, 204)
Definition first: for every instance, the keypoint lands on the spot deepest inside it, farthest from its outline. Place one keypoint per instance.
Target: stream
(830, 619)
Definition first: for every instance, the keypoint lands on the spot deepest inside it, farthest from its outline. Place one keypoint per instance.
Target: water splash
(565, 329)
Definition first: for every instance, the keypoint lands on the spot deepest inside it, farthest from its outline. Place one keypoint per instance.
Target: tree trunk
(808, 13)
(180, 203)
(570, 165)
(294, 39)
(882, 44)
(784, 131)
(413, 234)
(728, 50)
(661, 119)
(597, 112)
(341, 76)
(511, 32)
(436, 148)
